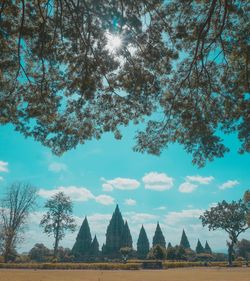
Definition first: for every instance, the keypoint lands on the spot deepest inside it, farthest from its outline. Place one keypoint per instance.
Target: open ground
(187, 274)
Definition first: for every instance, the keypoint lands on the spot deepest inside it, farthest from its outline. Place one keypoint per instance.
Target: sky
(100, 174)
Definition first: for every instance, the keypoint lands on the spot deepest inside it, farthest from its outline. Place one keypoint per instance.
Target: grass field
(184, 274)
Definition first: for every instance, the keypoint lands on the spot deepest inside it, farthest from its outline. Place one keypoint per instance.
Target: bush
(178, 253)
(39, 253)
(71, 266)
(135, 265)
(158, 253)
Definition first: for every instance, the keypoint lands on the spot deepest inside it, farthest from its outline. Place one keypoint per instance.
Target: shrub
(158, 253)
(71, 266)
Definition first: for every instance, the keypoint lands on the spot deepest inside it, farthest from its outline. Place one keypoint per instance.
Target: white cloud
(139, 217)
(175, 217)
(98, 218)
(107, 187)
(35, 217)
(161, 208)
(76, 193)
(57, 167)
(120, 183)
(80, 194)
(157, 181)
(187, 187)
(4, 166)
(229, 184)
(199, 179)
(130, 202)
(211, 205)
(191, 183)
(104, 199)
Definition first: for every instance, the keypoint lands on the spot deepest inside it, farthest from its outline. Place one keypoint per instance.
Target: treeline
(20, 200)
(119, 245)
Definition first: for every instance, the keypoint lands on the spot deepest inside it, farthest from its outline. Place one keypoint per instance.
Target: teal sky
(99, 174)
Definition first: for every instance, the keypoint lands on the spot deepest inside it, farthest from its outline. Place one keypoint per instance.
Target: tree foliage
(230, 217)
(15, 206)
(58, 218)
(157, 252)
(39, 253)
(176, 253)
(243, 249)
(186, 60)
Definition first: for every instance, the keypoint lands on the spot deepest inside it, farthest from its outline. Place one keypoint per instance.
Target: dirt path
(190, 274)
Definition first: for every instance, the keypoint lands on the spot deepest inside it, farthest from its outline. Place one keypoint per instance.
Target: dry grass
(185, 274)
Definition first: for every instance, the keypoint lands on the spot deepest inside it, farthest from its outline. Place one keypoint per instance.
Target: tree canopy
(39, 253)
(230, 217)
(157, 252)
(243, 249)
(183, 63)
(58, 218)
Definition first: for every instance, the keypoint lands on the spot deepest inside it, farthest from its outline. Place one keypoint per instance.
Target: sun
(114, 42)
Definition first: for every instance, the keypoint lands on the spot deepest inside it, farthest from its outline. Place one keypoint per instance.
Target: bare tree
(15, 207)
(58, 218)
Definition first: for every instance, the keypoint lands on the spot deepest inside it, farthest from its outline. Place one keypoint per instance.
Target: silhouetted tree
(231, 217)
(39, 253)
(243, 249)
(157, 252)
(58, 218)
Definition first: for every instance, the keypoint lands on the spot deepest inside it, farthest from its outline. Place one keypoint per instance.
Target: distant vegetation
(119, 244)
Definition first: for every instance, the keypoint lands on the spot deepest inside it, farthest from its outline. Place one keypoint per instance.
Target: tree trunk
(7, 249)
(56, 248)
(230, 254)
(56, 242)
